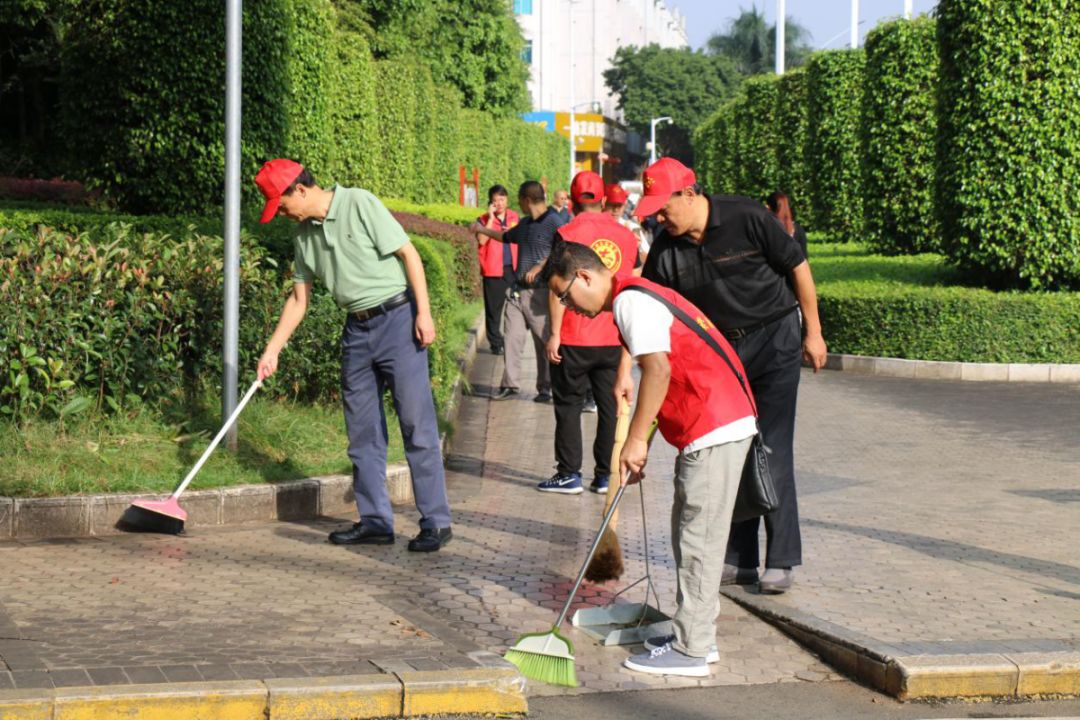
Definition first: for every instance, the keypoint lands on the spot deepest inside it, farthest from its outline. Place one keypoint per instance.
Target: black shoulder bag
(757, 494)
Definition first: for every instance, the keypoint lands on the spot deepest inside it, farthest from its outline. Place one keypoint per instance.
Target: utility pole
(907, 9)
(570, 40)
(230, 354)
(854, 24)
(781, 19)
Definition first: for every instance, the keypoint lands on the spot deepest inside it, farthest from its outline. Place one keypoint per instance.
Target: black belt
(743, 332)
(397, 301)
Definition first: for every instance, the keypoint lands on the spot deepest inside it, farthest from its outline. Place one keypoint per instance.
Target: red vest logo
(609, 253)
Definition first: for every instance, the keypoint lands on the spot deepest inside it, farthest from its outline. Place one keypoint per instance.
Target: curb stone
(945, 370)
(96, 515)
(898, 367)
(486, 691)
(910, 677)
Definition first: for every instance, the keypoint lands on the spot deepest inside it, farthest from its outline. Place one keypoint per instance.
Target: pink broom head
(170, 508)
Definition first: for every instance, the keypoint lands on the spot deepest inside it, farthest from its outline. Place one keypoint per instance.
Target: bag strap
(709, 339)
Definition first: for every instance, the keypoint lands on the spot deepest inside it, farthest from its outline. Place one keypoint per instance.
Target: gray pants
(706, 483)
(526, 312)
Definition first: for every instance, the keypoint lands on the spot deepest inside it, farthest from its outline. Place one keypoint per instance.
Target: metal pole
(854, 24)
(570, 41)
(230, 355)
(652, 141)
(907, 9)
(780, 50)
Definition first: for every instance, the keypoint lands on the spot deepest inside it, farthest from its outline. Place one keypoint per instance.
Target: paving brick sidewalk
(275, 600)
(941, 520)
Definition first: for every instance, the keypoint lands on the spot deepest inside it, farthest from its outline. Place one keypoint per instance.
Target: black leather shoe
(543, 397)
(430, 539)
(496, 351)
(359, 534)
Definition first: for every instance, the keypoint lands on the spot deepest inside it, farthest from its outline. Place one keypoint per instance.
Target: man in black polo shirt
(526, 308)
(729, 256)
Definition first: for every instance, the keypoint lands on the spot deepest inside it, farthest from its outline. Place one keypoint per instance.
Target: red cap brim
(649, 205)
(270, 210)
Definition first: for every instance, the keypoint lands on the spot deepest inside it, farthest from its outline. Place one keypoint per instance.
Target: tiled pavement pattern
(940, 517)
(275, 600)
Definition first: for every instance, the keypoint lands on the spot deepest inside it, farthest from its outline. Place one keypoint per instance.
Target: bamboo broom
(607, 562)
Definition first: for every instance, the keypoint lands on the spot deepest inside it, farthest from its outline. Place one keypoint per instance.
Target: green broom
(549, 656)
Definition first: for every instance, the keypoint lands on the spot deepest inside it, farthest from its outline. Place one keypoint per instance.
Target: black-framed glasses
(564, 296)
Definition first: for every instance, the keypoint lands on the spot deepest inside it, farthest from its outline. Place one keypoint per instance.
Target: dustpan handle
(217, 439)
(592, 551)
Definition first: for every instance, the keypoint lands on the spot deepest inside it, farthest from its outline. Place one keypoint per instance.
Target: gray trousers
(526, 313)
(383, 353)
(706, 483)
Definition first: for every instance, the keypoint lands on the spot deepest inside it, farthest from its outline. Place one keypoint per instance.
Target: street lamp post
(907, 9)
(230, 361)
(595, 107)
(652, 136)
(780, 50)
(854, 24)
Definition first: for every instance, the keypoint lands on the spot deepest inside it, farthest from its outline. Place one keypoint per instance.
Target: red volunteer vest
(491, 252)
(703, 393)
(617, 247)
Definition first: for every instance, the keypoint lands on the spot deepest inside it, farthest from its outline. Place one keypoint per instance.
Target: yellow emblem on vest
(609, 253)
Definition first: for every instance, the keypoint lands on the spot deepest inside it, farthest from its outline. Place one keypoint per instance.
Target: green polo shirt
(352, 250)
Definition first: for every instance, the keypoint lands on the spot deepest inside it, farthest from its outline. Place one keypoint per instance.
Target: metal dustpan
(622, 623)
(627, 623)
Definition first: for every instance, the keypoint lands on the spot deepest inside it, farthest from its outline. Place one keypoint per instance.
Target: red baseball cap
(661, 180)
(587, 183)
(615, 195)
(274, 178)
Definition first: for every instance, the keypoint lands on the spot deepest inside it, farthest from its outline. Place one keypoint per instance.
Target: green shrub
(899, 126)
(910, 307)
(835, 79)
(1009, 140)
(792, 145)
(354, 111)
(143, 106)
(756, 137)
(397, 136)
(110, 317)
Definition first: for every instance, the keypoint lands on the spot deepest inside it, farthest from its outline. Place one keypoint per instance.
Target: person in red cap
(351, 243)
(497, 263)
(702, 409)
(584, 352)
(730, 257)
(615, 198)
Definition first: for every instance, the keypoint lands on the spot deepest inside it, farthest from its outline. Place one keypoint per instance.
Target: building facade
(569, 44)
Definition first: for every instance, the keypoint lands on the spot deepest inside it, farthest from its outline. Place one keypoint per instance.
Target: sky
(827, 20)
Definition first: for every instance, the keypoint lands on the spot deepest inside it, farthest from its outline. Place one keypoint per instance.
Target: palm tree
(751, 42)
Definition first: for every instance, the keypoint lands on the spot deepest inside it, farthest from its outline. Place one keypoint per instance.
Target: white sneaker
(661, 640)
(666, 660)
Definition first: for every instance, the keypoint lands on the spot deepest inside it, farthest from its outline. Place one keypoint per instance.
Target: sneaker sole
(561, 491)
(711, 659)
(766, 589)
(597, 490)
(698, 672)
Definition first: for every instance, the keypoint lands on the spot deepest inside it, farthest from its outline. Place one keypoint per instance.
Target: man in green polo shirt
(348, 240)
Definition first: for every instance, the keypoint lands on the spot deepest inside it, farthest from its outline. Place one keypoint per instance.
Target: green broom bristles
(545, 668)
(547, 657)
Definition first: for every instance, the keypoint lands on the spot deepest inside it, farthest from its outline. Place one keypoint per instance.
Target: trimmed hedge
(792, 151)
(142, 97)
(835, 89)
(899, 126)
(1009, 140)
(756, 137)
(105, 316)
(904, 307)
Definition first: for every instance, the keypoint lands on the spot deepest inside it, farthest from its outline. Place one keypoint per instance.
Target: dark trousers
(494, 299)
(584, 368)
(377, 354)
(772, 357)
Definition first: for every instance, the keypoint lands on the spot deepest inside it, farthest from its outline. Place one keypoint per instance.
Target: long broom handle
(592, 551)
(217, 439)
(622, 430)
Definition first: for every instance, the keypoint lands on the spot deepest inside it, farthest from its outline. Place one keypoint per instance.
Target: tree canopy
(681, 83)
(750, 43)
(473, 45)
